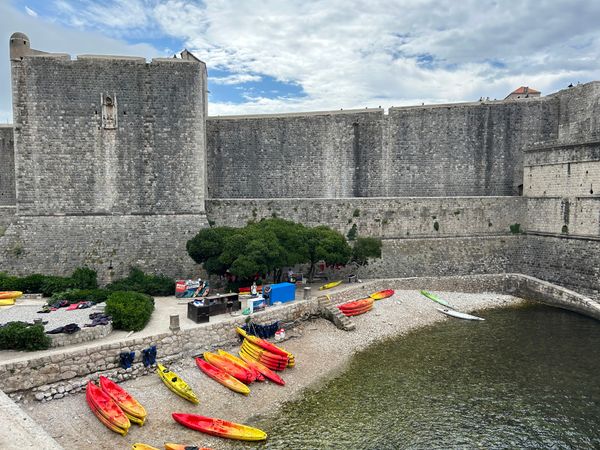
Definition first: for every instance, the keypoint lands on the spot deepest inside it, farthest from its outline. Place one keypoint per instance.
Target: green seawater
(526, 378)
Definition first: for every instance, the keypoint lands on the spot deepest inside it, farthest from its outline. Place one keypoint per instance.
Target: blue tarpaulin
(283, 292)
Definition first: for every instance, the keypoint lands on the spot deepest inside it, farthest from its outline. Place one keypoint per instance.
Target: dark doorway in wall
(520, 190)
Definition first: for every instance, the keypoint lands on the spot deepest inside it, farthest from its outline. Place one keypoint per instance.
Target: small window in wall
(520, 189)
(109, 111)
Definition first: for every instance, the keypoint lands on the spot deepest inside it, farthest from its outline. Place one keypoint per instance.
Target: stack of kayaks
(106, 410)
(330, 285)
(380, 295)
(269, 355)
(356, 307)
(176, 384)
(129, 405)
(219, 427)
(8, 298)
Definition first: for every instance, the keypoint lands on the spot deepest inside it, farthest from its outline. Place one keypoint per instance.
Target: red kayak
(380, 295)
(245, 376)
(220, 427)
(357, 312)
(106, 406)
(268, 373)
(222, 377)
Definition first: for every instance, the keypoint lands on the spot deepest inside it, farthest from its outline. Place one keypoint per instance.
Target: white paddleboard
(458, 314)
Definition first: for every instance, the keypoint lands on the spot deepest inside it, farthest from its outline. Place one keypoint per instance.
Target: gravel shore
(321, 352)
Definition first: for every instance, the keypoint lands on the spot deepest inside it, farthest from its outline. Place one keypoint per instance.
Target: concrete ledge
(19, 431)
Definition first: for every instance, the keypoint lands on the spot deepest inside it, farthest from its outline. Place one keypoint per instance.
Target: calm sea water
(527, 377)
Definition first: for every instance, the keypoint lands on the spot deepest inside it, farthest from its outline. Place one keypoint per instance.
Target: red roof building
(523, 92)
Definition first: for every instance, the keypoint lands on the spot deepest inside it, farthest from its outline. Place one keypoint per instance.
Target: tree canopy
(266, 247)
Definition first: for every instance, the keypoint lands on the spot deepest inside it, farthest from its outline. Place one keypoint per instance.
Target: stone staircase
(331, 312)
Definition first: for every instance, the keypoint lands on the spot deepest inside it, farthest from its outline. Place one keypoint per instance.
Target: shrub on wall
(130, 311)
(85, 278)
(22, 336)
(138, 281)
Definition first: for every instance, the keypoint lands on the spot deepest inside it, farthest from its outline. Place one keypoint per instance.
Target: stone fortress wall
(439, 184)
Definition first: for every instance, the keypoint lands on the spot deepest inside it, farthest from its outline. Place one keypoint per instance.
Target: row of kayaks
(258, 361)
(361, 306)
(8, 298)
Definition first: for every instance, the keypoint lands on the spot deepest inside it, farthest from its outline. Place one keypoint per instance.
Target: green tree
(266, 247)
(207, 246)
(325, 244)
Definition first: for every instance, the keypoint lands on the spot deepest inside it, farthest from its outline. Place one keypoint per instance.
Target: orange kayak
(106, 406)
(222, 377)
(245, 376)
(130, 406)
(240, 362)
(268, 373)
(10, 295)
(220, 427)
(379, 295)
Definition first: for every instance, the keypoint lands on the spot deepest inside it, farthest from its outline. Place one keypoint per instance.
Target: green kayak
(430, 296)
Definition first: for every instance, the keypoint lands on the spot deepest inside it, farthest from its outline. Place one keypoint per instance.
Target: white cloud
(353, 54)
(235, 79)
(30, 11)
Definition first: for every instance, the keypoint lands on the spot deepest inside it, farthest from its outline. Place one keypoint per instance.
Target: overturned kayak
(458, 314)
(220, 427)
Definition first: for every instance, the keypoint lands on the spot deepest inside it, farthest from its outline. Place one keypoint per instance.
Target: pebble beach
(321, 352)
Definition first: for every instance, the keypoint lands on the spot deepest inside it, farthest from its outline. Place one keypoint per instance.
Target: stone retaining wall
(66, 371)
(83, 335)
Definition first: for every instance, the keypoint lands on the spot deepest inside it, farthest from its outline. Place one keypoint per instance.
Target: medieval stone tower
(110, 160)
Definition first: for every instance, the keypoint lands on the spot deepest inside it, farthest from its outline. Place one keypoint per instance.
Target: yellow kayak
(176, 384)
(330, 285)
(7, 302)
(139, 446)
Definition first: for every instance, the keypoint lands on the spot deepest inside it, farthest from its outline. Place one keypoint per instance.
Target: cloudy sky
(279, 56)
